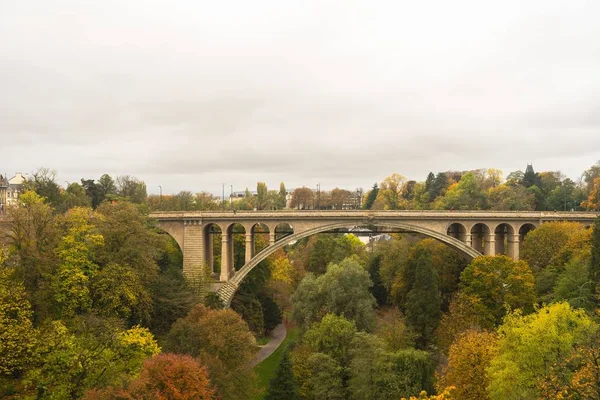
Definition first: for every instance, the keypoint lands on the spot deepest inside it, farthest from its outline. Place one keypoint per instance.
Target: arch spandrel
(229, 289)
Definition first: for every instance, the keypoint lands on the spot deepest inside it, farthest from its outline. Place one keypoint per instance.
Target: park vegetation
(93, 302)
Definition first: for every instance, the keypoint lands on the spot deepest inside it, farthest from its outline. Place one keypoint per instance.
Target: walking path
(276, 337)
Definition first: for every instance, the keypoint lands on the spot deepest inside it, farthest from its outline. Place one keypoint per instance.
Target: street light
(223, 198)
(231, 197)
(160, 197)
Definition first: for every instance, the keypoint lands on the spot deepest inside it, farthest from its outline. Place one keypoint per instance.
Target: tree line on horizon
(482, 189)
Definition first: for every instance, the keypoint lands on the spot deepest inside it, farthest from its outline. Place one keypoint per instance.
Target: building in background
(3, 193)
(10, 189)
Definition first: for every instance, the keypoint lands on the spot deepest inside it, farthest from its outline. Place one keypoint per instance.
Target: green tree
(371, 375)
(43, 182)
(326, 378)
(530, 178)
(283, 386)
(332, 336)
(107, 187)
(574, 285)
(261, 195)
(423, 303)
(342, 290)
(414, 371)
(75, 196)
(371, 196)
(282, 197)
(378, 290)
(529, 346)
(465, 195)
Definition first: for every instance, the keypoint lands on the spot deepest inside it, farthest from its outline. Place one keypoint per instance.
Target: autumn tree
(18, 338)
(339, 198)
(542, 245)
(390, 192)
(92, 352)
(302, 198)
(32, 235)
(76, 262)
(391, 327)
(594, 271)
(131, 188)
(172, 376)
(222, 340)
(498, 281)
(466, 312)
(469, 357)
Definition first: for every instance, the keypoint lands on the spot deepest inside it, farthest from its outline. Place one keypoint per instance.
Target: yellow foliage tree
(468, 359)
(593, 200)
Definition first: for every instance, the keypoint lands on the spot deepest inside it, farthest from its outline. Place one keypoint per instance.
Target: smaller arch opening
(525, 229)
(478, 234)
(457, 231)
(502, 233)
(237, 235)
(212, 248)
(260, 235)
(282, 230)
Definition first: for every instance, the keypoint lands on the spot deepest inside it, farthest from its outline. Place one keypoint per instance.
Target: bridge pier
(226, 256)
(249, 246)
(489, 247)
(514, 243)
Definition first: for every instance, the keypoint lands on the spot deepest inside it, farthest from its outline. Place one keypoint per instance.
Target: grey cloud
(192, 95)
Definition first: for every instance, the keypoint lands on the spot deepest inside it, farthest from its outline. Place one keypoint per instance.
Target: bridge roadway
(472, 233)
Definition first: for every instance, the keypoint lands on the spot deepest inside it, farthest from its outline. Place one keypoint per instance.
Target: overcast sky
(193, 94)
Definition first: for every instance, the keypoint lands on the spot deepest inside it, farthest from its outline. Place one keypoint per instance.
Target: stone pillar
(514, 243)
(499, 243)
(209, 257)
(272, 237)
(193, 250)
(249, 246)
(225, 256)
(467, 239)
(477, 242)
(490, 245)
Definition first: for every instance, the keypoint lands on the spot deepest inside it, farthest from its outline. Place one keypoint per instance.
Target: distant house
(3, 192)
(10, 189)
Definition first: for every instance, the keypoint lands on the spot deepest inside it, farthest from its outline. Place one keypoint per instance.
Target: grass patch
(266, 369)
(262, 341)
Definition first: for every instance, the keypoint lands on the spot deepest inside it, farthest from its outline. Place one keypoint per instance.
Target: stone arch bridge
(472, 233)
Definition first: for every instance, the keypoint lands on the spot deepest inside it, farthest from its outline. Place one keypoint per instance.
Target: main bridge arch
(228, 289)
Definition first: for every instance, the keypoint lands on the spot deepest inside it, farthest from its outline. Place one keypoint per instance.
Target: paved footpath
(276, 337)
